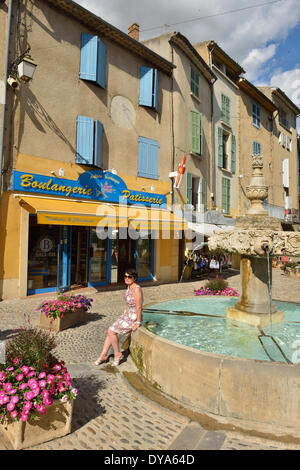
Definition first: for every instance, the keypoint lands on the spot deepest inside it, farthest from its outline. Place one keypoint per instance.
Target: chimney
(134, 31)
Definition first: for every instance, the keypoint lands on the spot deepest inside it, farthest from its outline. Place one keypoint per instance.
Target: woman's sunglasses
(128, 276)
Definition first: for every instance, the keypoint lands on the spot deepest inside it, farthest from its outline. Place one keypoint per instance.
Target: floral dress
(125, 322)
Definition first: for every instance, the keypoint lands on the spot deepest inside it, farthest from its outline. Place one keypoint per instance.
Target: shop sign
(95, 185)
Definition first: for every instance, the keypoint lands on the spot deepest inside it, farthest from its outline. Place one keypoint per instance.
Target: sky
(263, 36)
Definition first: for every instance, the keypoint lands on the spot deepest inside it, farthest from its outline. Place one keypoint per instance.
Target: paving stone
(188, 438)
(211, 440)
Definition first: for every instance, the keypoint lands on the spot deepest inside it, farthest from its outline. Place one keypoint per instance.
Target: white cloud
(245, 34)
(289, 82)
(256, 60)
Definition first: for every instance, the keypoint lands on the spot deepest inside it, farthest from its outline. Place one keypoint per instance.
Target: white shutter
(285, 173)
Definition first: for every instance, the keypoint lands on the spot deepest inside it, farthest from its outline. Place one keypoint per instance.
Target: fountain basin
(258, 396)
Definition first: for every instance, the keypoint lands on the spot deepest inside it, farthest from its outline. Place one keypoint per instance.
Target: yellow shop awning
(63, 212)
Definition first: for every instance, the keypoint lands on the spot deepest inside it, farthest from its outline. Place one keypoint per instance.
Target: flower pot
(55, 423)
(62, 323)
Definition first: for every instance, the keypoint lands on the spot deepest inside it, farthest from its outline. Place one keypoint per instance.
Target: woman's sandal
(116, 362)
(100, 361)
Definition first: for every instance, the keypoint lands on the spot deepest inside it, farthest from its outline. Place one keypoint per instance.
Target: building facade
(285, 188)
(87, 143)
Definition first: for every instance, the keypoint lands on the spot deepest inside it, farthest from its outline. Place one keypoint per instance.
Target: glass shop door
(64, 259)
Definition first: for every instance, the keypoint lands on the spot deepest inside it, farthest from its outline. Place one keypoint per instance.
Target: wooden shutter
(189, 188)
(146, 86)
(195, 132)
(88, 57)
(203, 193)
(85, 141)
(155, 90)
(227, 110)
(148, 158)
(98, 161)
(220, 147)
(225, 195)
(101, 64)
(233, 154)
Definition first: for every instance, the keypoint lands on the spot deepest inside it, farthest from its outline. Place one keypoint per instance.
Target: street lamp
(23, 67)
(26, 68)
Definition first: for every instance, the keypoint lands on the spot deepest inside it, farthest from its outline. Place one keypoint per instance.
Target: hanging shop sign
(95, 185)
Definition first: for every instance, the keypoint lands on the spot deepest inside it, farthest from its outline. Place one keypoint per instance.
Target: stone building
(90, 130)
(284, 189)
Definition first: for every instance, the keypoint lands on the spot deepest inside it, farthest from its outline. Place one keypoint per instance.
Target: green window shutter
(201, 136)
(189, 188)
(203, 193)
(225, 195)
(195, 132)
(225, 112)
(220, 147)
(233, 154)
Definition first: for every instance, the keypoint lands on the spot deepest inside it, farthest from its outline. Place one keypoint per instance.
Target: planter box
(55, 423)
(59, 324)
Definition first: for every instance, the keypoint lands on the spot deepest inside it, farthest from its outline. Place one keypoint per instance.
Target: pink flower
(57, 367)
(5, 400)
(14, 414)
(19, 377)
(22, 386)
(25, 369)
(29, 395)
(45, 393)
(42, 375)
(7, 387)
(42, 383)
(12, 391)
(27, 406)
(14, 399)
(47, 401)
(32, 384)
(24, 417)
(10, 406)
(31, 374)
(50, 378)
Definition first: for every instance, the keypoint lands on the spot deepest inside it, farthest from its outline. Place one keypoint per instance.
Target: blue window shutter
(146, 86)
(98, 144)
(85, 141)
(101, 64)
(148, 158)
(155, 91)
(88, 57)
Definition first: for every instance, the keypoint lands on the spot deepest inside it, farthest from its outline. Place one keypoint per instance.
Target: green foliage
(290, 266)
(217, 284)
(31, 347)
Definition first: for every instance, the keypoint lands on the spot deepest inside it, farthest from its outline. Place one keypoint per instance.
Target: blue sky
(262, 35)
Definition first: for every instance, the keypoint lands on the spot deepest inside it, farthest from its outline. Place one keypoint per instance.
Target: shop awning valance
(60, 212)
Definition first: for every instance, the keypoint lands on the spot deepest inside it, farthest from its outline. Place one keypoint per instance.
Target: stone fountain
(257, 237)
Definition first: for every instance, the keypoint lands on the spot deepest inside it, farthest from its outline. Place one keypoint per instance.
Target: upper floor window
(256, 115)
(93, 60)
(196, 133)
(196, 192)
(148, 158)
(89, 140)
(195, 81)
(148, 87)
(225, 114)
(225, 195)
(283, 119)
(226, 150)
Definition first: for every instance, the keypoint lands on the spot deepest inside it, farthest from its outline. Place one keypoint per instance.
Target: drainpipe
(172, 131)
(5, 77)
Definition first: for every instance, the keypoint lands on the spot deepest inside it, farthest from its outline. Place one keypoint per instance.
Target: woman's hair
(132, 273)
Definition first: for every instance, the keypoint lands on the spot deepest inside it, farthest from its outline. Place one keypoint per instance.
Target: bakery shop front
(88, 232)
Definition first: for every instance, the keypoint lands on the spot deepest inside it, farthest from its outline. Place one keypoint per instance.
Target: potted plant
(217, 286)
(36, 395)
(64, 312)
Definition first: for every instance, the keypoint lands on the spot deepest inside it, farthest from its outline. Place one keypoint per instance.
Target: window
(285, 173)
(93, 60)
(89, 141)
(288, 143)
(195, 81)
(255, 115)
(225, 114)
(226, 144)
(283, 119)
(225, 195)
(196, 192)
(256, 148)
(148, 87)
(148, 158)
(196, 133)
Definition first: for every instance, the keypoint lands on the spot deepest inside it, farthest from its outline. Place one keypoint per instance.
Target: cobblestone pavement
(108, 413)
